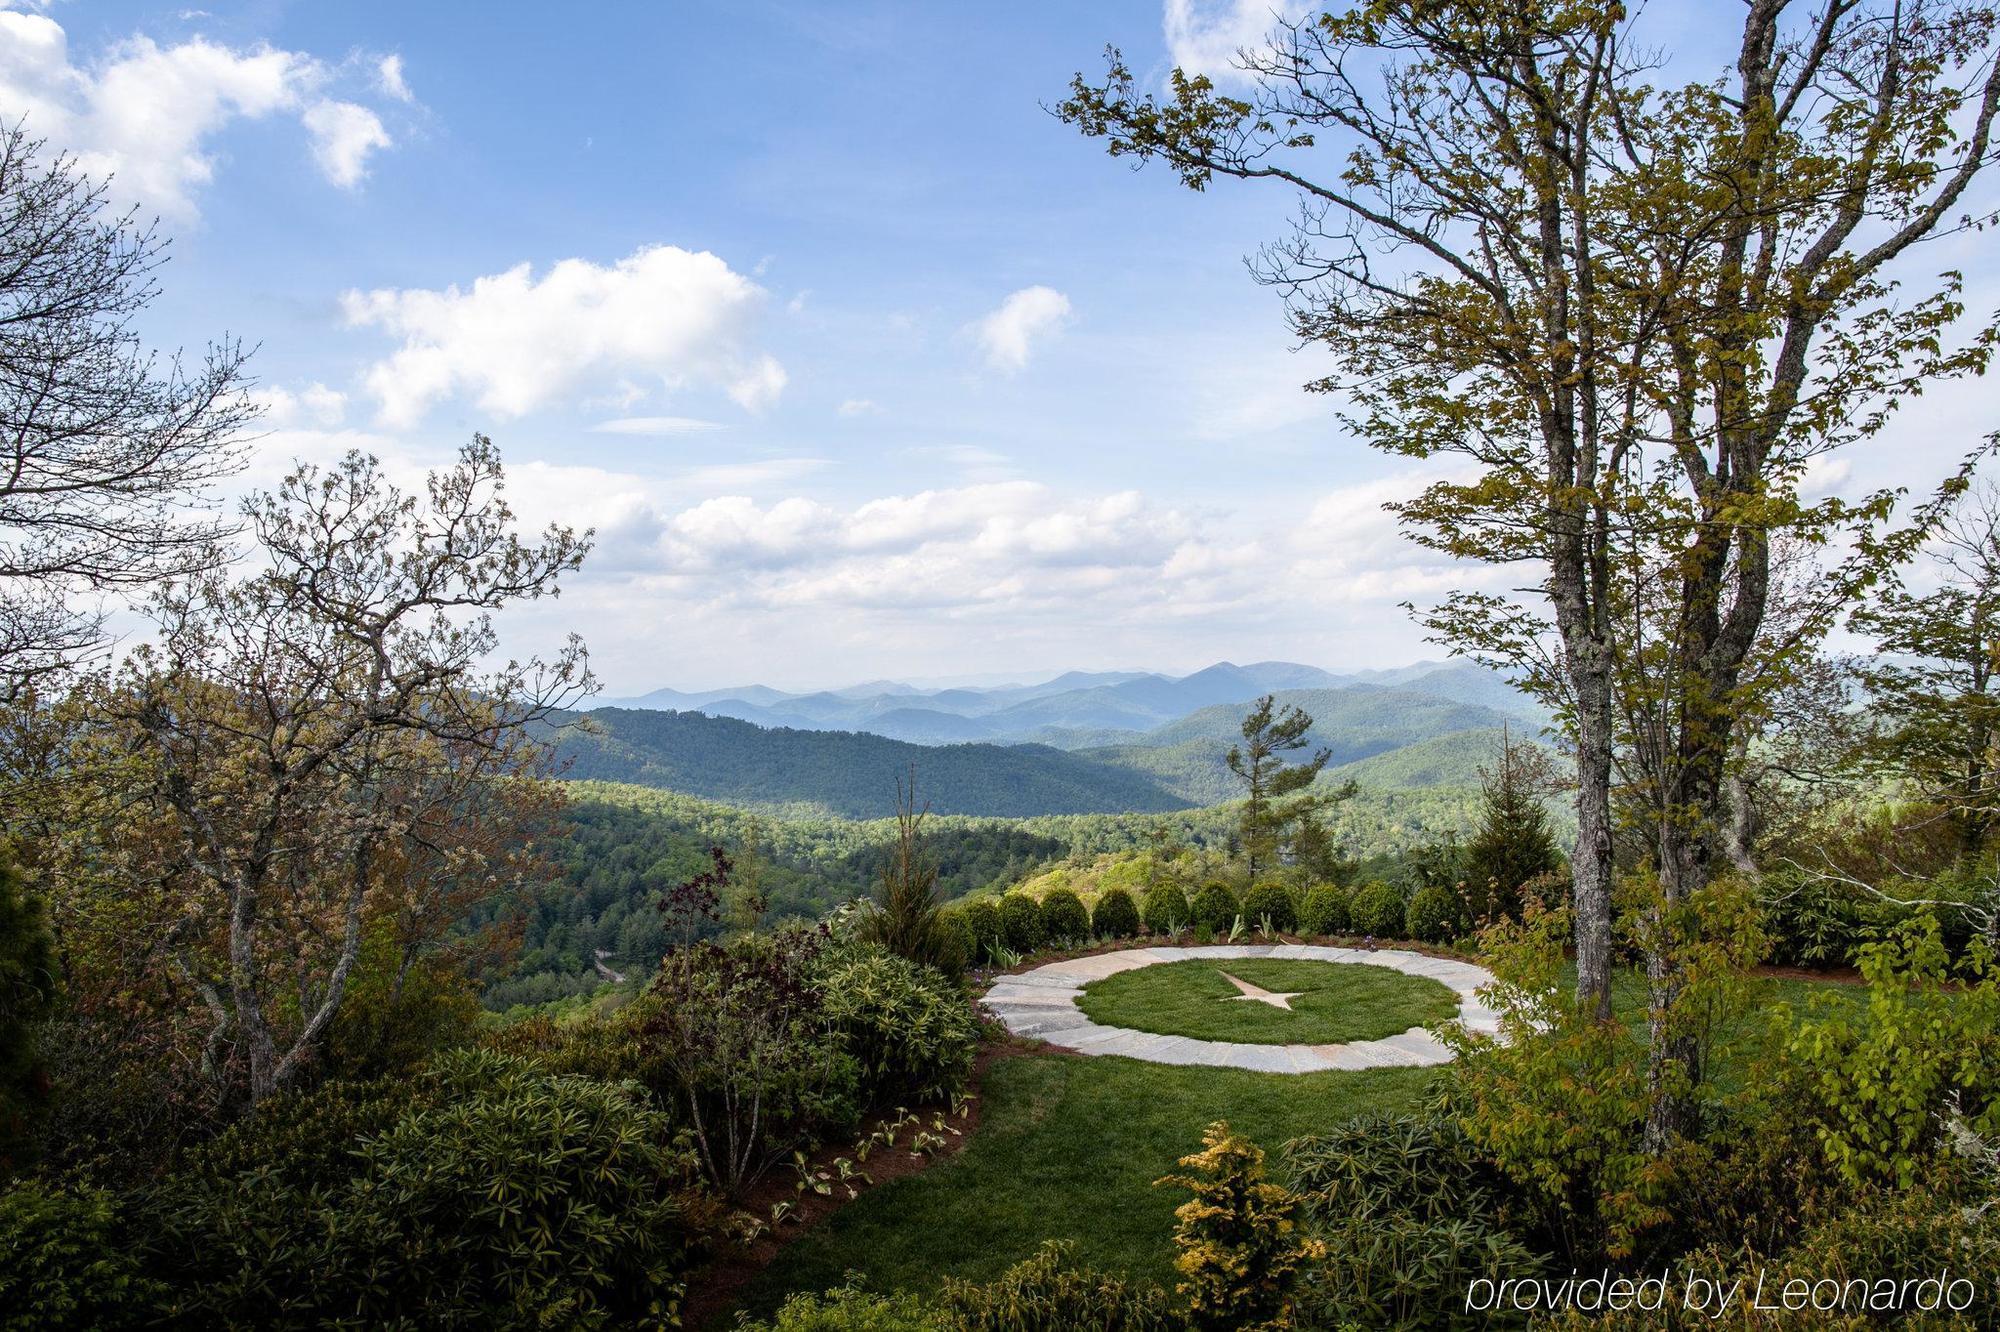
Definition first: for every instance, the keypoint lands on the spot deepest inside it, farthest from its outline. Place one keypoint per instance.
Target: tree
(310, 732)
(1637, 309)
(1270, 733)
(28, 984)
(105, 454)
(1513, 844)
(1934, 685)
(907, 919)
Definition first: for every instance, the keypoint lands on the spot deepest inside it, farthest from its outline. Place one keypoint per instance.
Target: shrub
(982, 919)
(66, 1263)
(1377, 909)
(1238, 1253)
(28, 975)
(741, 1036)
(1115, 915)
(850, 1308)
(1435, 915)
(1050, 1293)
(1215, 907)
(1021, 923)
(1273, 902)
(1324, 910)
(1166, 908)
(1812, 923)
(910, 1031)
(1064, 918)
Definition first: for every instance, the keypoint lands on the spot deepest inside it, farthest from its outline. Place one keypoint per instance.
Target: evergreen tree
(27, 993)
(907, 919)
(1514, 843)
(1269, 734)
(1316, 852)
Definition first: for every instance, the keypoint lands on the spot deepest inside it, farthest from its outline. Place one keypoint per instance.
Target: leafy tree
(105, 454)
(1514, 843)
(316, 734)
(1269, 734)
(27, 992)
(1637, 307)
(1935, 683)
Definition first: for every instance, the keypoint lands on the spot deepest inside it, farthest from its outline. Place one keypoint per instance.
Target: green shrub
(1021, 923)
(850, 1308)
(1272, 902)
(982, 918)
(1238, 1246)
(910, 1030)
(1435, 915)
(28, 982)
(1812, 923)
(1050, 1293)
(964, 945)
(1166, 908)
(1115, 915)
(1401, 1274)
(1064, 917)
(1215, 907)
(1324, 910)
(1377, 910)
(65, 1261)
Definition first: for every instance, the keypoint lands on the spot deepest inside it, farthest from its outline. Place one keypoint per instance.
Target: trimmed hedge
(1215, 907)
(1325, 910)
(1021, 923)
(1272, 901)
(1115, 916)
(1064, 917)
(1434, 915)
(1378, 910)
(982, 917)
(1166, 908)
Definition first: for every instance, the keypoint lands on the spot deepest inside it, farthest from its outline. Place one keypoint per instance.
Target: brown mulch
(714, 1290)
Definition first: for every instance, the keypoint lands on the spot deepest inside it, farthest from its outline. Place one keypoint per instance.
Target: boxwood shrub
(1115, 916)
(1215, 907)
(1064, 917)
(1325, 910)
(1166, 908)
(1378, 910)
(982, 917)
(1271, 901)
(1021, 923)
(1435, 915)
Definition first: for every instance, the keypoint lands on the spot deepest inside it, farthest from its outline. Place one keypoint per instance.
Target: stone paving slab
(1042, 1003)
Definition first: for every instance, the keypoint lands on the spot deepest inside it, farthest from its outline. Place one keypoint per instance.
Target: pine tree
(1514, 843)
(1270, 733)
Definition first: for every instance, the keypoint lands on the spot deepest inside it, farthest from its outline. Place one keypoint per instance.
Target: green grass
(1067, 1148)
(1336, 1002)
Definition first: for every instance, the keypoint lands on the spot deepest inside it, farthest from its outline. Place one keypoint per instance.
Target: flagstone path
(1042, 1003)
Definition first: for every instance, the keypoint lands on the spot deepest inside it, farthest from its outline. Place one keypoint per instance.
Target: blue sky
(861, 363)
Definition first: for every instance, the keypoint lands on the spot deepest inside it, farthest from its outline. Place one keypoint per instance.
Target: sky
(860, 364)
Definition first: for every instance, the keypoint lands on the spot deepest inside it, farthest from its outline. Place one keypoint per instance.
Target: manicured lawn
(1333, 1002)
(1067, 1148)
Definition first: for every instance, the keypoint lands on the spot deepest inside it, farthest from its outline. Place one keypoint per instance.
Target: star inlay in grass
(1278, 1002)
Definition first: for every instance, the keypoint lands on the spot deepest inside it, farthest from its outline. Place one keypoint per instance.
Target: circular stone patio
(1043, 1003)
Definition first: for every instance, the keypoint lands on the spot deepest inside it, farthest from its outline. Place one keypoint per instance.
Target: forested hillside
(846, 774)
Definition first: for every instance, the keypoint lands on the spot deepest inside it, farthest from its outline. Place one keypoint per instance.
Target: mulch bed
(714, 1290)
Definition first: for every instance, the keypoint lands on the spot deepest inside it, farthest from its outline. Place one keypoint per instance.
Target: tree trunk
(1590, 863)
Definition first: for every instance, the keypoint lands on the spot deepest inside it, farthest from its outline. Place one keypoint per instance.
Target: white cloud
(1203, 36)
(857, 407)
(660, 426)
(1010, 333)
(147, 114)
(315, 404)
(343, 134)
(389, 78)
(517, 342)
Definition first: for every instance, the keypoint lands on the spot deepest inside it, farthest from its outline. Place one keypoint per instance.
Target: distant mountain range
(1077, 710)
(1081, 743)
